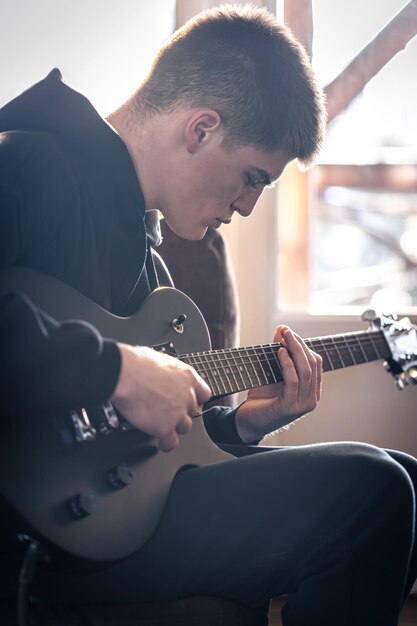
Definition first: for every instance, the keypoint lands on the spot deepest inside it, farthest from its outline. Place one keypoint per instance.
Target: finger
(168, 442)
(203, 392)
(312, 356)
(319, 376)
(316, 363)
(279, 334)
(299, 345)
(301, 358)
(318, 391)
(193, 407)
(309, 372)
(184, 426)
(289, 375)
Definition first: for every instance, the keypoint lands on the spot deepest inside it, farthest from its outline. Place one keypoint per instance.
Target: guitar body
(101, 498)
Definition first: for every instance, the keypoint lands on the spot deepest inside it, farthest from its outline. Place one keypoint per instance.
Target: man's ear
(201, 127)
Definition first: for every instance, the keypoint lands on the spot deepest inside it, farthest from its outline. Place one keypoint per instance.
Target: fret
(213, 376)
(218, 373)
(274, 363)
(199, 362)
(268, 369)
(380, 345)
(239, 370)
(243, 370)
(334, 355)
(345, 354)
(319, 346)
(369, 349)
(229, 369)
(263, 378)
(358, 354)
(343, 345)
(255, 381)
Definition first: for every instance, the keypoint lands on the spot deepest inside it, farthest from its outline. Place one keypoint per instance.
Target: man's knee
(377, 478)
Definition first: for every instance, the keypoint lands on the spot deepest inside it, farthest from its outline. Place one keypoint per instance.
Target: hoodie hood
(51, 106)
(93, 201)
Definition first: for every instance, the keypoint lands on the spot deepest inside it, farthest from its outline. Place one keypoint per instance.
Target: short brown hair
(241, 62)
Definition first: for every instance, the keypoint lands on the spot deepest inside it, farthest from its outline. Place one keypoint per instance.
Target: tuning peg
(401, 381)
(412, 375)
(369, 315)
(390, 316)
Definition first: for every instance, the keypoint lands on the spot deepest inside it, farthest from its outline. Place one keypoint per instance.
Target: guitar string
(223, 383)
(246, 354)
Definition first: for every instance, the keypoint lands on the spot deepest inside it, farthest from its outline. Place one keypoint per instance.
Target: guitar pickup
(106, 418)
(83, 429)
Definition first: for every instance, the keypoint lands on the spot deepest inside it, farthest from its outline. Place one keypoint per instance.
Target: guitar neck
(238, 369)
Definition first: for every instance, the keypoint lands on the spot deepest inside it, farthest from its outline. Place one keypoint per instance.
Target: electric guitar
(86, 483)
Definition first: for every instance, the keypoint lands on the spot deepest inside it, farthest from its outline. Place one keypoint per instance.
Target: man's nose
(245, 204)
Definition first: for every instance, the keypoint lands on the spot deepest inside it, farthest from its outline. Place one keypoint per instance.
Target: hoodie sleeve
(50, 366)
(44, 365)
(220, 423)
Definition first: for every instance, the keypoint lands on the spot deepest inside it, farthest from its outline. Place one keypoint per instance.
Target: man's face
(214, 183)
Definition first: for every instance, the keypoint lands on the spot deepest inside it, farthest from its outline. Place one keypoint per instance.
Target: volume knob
(82, 505)
(120, 476)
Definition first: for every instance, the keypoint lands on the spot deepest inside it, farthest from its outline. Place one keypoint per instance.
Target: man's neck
(133, 134)
(152, 142)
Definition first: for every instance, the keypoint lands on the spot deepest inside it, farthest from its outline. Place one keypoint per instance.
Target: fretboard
(237, 369)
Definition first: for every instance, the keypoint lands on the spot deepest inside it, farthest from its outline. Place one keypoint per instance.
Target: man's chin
(185, 231)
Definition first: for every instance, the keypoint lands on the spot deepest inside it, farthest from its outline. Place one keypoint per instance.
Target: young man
(229, 101)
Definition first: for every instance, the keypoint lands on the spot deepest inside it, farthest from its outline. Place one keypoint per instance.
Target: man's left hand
(273, 406)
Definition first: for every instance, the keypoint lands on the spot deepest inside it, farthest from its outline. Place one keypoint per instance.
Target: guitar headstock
(401, 337)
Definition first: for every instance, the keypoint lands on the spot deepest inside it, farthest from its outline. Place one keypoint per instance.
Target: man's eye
(252, 182)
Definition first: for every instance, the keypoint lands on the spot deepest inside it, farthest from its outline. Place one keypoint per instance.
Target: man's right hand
(158, 394)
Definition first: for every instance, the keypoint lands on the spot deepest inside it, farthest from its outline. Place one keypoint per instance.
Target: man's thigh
(239, 528)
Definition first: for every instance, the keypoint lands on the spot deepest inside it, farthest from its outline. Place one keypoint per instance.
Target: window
(350, 232)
